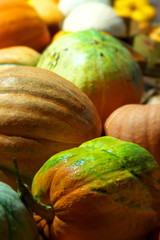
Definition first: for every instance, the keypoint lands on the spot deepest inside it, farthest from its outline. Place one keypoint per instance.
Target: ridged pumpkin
(137, 123)
(18, 55)
(41, 114)
(99, 65)
(21, 25)
(104, 189)
(16, 222)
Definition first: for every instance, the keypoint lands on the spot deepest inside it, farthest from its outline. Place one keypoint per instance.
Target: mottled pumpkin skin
(99, 65)
(41, 114)
(21, 25)
(17, 223)
(104, 189)
(137, 123)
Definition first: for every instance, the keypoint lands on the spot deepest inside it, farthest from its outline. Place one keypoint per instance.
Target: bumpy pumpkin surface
(99, 65)
(137, 123)
(104, 189)
(21, 25)
(16, 222)
(41, 114)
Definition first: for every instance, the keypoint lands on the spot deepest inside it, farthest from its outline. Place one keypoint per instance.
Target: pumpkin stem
(46, 212)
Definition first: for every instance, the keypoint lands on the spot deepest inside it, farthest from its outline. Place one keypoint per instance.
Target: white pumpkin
(66, 6)
(97, 16)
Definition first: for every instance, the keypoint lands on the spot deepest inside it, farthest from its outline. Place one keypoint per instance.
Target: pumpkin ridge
(52, 101)
(41, 140)
(24, 133)
(42, 85)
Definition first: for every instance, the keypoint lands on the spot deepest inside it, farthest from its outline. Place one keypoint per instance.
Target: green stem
(46, 212)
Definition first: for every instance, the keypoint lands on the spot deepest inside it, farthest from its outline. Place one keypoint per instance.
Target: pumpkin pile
(79, 147)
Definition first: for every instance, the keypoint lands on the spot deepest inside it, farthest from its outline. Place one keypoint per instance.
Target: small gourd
(137, 123)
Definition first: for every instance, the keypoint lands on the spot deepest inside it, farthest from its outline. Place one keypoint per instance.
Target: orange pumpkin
(41, 114)
(137, 123)
(21, 25)
(105, 189)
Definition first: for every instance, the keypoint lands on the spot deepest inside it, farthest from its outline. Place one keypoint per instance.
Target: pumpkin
(18, 55)
(137, 123)
(48, 11)
(104, 189)
(59, 34)
(87, 16)
(17, 223)
(41, 114)
(93, 62)
(21, 25)
(66, 6)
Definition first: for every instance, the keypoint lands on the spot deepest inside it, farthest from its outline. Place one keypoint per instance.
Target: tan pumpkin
(18, 55)
(137, 123)
(21, 25)
(41, 113)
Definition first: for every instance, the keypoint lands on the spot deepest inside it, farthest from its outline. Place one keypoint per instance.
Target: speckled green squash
(99, 65)
(16, 222)
(104, 189)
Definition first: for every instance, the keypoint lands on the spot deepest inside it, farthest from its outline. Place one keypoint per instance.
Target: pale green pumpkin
(99, 65)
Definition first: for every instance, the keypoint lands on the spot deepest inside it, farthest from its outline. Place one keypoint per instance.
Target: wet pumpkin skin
(99, 65)
(41, 114)
(104, 189)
